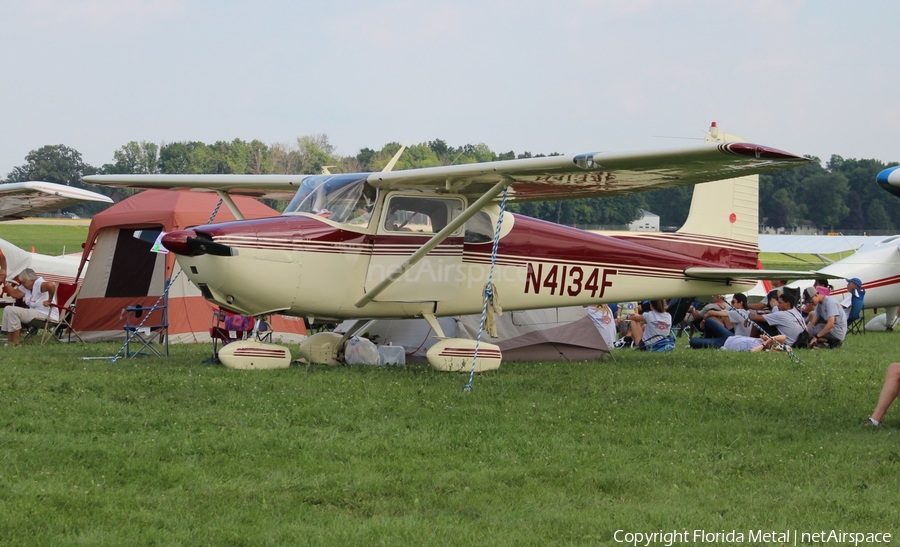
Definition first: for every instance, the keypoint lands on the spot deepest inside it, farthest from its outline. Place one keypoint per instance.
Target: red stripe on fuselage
(530, 240)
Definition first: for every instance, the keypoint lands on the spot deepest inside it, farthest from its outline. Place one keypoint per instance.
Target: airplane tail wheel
(321, 348)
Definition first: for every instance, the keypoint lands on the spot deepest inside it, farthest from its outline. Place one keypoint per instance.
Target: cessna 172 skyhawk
(417, 243)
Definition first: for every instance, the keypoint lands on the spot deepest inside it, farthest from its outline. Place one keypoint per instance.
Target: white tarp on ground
(554, 334)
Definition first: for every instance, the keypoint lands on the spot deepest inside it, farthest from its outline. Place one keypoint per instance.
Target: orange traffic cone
(32, 248)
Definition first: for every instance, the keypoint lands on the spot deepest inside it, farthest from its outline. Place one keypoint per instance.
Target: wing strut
(223, 195)
(390, 165)
(435, 240)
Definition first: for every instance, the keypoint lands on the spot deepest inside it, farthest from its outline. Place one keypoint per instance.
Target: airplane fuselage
(878, 267)
(305, 265)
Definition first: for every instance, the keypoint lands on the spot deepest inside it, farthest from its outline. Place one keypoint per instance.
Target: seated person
(736, 319)
(715, 336)
(651, 325)
(854, 290)
(770, 303)
(38, 295)
(807, 307)
(721, 325)
(718, 304)
(604, 319)
(829, 323)
(786, 319)
(889, 391)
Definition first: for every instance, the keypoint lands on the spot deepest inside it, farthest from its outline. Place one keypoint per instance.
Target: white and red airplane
(59, 269)
(418, 243)
(874, 260)
(21, 199)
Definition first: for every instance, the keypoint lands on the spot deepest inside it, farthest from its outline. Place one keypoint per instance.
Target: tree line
(839, 195)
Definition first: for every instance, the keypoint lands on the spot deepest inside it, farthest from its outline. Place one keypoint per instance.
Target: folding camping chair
(856, 319)
(678, 308)
(228, 327)
(56, 329)
(154, 327)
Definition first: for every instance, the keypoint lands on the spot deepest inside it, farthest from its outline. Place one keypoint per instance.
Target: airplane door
(408, 222)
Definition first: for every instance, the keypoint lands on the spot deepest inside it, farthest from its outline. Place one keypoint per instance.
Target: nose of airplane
(889, 180)
(191, 243)
(176, 242)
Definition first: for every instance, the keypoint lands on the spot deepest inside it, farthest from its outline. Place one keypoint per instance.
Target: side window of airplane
(421, 215)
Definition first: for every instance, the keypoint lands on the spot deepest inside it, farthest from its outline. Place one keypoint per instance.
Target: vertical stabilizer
(727, 209)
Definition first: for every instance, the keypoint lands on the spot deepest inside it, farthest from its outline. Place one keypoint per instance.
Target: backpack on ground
(662, 343)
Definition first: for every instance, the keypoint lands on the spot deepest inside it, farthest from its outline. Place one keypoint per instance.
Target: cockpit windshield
(341, 198)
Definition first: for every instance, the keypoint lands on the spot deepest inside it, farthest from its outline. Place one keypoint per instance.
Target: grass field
(48, 240)
(179, 452)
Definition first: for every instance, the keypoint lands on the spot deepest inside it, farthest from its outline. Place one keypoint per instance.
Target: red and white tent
(124, 272)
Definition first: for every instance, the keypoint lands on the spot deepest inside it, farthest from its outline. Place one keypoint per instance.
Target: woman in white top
(605, 322)
(651, 325)
(39, 296)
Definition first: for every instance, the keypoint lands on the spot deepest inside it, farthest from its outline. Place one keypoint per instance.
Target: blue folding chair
(856, 320)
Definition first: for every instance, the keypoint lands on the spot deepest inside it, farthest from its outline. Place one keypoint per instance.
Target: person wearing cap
(828, 325)
(854, 286)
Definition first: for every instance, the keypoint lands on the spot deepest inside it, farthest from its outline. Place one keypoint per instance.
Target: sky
(569, 76)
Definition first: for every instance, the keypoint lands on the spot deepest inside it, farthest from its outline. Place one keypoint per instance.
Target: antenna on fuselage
(390, 165)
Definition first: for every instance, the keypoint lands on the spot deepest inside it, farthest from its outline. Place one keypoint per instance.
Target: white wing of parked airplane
(60, 269)
(20, 199)
(816, 245)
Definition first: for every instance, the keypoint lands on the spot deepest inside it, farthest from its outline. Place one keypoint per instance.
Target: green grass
(48, 240)
(179, 452)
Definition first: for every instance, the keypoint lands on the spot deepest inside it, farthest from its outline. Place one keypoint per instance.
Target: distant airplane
(20, 199)
(59, 269)
(417, 243)
(889, 180)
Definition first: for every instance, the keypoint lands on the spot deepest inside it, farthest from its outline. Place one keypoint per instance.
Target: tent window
(132, 267)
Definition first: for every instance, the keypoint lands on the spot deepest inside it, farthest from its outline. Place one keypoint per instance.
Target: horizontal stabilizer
(737, 273)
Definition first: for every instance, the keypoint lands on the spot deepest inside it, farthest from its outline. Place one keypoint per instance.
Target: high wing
(555, 177)
(19, 199)
(597, 174)
(279, 187)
